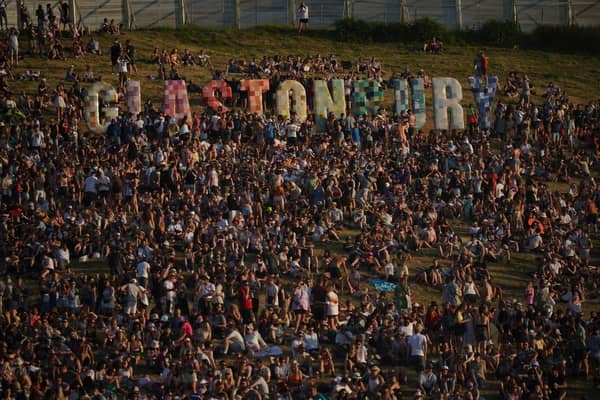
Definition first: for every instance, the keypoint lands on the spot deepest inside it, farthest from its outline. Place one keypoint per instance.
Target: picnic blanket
(274, 351)
(381, 285)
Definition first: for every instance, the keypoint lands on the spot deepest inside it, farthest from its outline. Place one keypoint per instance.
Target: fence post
(566, 12)
(349, 9)
(238, 15)
(292, 12)
(179, 13)
(126, 14)
(513, 12)
(403, 12)
(459, 19)
(19, 2)
(570, 12)
(72, 11)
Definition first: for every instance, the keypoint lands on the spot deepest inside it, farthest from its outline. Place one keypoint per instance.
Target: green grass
(573, 73)
(577, 75)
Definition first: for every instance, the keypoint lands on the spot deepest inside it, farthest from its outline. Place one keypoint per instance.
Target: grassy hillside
(577, 75)
(574, 73)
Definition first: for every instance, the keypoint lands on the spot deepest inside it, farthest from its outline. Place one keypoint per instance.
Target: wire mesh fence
(322, 13)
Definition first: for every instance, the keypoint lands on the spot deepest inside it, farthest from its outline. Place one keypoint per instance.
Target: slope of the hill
(578, 75)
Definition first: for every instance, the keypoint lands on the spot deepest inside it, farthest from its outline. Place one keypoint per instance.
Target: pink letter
(175, 100)
(134, 97)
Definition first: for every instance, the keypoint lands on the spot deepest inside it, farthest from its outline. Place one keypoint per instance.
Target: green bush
(498, 34)
(351, 30)
(423, 29)
(575, 39)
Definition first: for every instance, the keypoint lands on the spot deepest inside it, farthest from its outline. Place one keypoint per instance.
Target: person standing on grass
(115, 53)
(65, 14)
(302, 17)
(13, 46)
(123, 63)
(130, 52)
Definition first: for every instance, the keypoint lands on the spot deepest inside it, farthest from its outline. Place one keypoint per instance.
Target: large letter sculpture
(91, 109)
(367, 97)
(484, 93)
(175, 100)
(447, 94)
(417, 86)
(328, 102)
(400, 96)
(255, 89)
(134, 97)
(208, 95)
(298, 101)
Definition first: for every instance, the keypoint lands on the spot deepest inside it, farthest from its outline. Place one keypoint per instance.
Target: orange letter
(255, 88)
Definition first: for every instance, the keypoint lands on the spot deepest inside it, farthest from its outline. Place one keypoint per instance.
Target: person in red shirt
(246, 304)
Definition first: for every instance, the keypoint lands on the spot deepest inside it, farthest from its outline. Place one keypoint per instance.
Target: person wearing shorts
(300, 303)
(302, 17)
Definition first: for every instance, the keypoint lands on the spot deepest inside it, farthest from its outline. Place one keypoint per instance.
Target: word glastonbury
(329, 99)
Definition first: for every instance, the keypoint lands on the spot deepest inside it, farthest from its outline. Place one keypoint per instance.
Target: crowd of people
(244, 256)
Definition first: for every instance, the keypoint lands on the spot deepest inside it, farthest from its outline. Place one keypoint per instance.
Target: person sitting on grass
(434, 46)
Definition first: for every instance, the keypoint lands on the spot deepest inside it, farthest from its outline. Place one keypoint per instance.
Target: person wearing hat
(253, 340)
(132, 292)
(205, 291)
(375, 382)
(357, 384)
(427, 380)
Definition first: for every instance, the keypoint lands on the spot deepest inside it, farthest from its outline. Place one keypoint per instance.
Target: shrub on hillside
(492, 33)
(499, 34)
(574, 39)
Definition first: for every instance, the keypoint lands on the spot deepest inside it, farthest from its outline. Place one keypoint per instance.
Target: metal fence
(323, 13)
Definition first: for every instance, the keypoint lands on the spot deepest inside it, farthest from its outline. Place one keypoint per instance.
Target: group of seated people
(514, 85)
(408, 75)
(174, 58)
(434, 46)
(86, 76)
(111, 27)
(319, 64)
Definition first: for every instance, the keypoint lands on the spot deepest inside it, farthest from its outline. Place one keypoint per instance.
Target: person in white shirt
(123, 69)
(417, 344)
(103, 184)
(333, 307)
(132, 293)
(343, 337)
(143, 272)
(90, 188)
(292, 133)
(13, 46)
(234, 342)
(311, 341)
(298, 346)
(205, 291)
(37, 139)
(302, 17)
(253, 340)
(272, 292)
